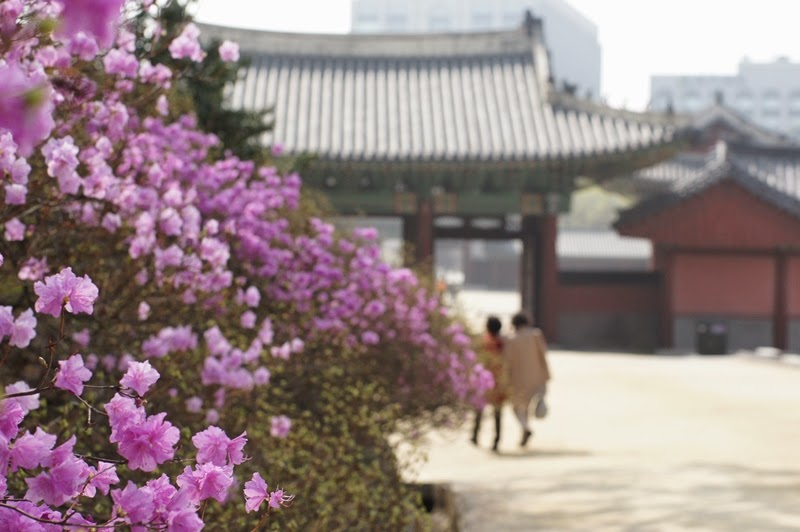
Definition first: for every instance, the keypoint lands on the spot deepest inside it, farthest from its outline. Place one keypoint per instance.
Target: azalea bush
(183, 333)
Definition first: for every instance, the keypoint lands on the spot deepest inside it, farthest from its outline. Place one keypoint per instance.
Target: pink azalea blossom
(20, 170)
(229, 51)
(64, 481)
(11, 415)
(252, 297)
(207, 481)
(16, 194)
(297, 345)
(76, 294)
(136, 504)
(282, 351)
(122, 414)
(23, 330)
(280, 426)
(15, 230)
(26, 110)
(12, 519)
(31, 450)
(33, 269)
(261, 376)
(194, 404)
(278, 499)
(255, 492)
(248, 319)
(370, 338)
(72, 374)
(6, 320)
(185, 520)
(93, 17)
(212, 415)
(186, 45)
(265, 332)
(103, 476)
(27, 402)
(9, 13)
(121, 63)
(162, 105)
(82, 337)
(61, 156)
(143, 311)
(140, 376)
(214, 446)
(91, 361)
(111, 222)
(84, 46)
(147, 444)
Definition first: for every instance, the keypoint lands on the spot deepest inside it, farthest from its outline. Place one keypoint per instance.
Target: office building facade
(767, 94)
(571, 38)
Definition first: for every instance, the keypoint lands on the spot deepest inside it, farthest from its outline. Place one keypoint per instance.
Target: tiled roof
(771, 173)
(450, 97)
(688, 166)
(746, 130)
(602, 250)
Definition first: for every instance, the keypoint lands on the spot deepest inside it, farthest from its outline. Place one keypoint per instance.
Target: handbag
(541, 409)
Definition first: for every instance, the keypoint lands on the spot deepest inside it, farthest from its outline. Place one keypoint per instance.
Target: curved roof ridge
(715, 170)
(564, 100)
(747, 166)
(366, 45)
(756, 132)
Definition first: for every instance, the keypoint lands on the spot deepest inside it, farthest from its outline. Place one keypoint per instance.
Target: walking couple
(519, 365)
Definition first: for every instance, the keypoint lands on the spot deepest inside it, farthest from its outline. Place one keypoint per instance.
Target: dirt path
(638, 443)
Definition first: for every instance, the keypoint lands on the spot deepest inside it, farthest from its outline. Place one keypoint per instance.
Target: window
(439, 23)
(513, 19)
(770, 103)
(662, 100)
(367, 22)
(692, 101)
(794, 103)
(396, 22)
(481, 20)
(744, 101)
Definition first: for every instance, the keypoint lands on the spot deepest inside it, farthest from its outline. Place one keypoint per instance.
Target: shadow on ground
(542, 453)
(698, 496)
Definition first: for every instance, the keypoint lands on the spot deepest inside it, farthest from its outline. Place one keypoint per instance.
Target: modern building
(768, 94)
(570, 36)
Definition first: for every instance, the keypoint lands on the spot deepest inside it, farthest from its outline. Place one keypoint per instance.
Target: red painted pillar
(409, 240)
(425, 232)
(780, 317)
(547, 260)
(528, 270)
(665, 264)
(418, 236)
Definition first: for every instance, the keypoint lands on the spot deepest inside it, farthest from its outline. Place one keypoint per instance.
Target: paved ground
(638, 443)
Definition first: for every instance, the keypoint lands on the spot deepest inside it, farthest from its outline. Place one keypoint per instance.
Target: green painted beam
(468, 203)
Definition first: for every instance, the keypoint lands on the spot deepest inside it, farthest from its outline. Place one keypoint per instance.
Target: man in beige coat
(525, 367)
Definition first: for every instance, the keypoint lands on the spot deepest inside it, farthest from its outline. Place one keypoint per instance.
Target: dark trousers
(478, 418)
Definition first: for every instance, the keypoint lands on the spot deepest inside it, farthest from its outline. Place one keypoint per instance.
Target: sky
(639, 38)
